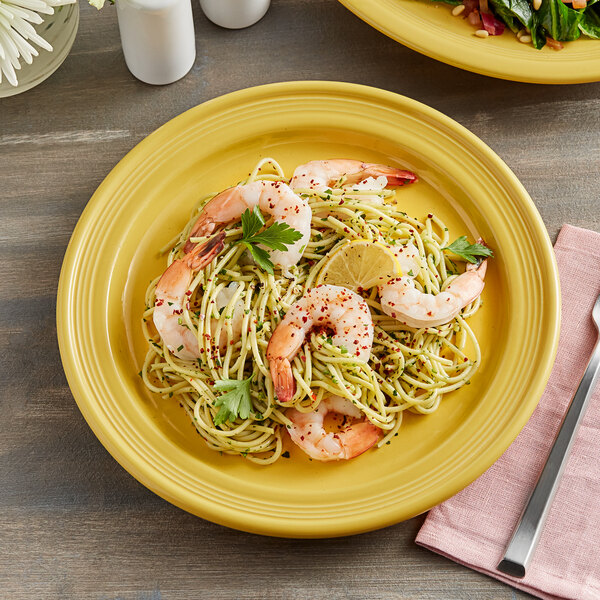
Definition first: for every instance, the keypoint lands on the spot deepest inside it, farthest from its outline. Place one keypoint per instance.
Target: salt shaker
(235, 14)
(157, 38)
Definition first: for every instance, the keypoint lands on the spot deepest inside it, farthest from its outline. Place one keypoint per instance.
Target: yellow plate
(146, 199)
(429, 28)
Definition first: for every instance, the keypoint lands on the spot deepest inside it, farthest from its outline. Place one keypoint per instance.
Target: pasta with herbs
(224, 295)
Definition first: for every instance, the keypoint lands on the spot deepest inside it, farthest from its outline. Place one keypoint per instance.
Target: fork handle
(527, 533)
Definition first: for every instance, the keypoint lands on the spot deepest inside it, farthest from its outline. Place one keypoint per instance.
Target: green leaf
(558, 21)
(278, 237)
(261, 256)
(514, 13)
(252, 221)
(469, 252)
(590, 23)
(538, 34)
(236, 402)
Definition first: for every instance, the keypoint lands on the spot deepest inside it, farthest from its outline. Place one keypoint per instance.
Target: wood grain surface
(73, 523)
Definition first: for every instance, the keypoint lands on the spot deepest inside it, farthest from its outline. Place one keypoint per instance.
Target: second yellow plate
(429, 28)
(146, 200)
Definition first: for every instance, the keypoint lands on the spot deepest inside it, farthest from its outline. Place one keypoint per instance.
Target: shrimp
(321, 174)
(408, 256)
(172, 295)
(308, 433)
(272, 197)
(222, 299)
(402, 301)
(330, 306)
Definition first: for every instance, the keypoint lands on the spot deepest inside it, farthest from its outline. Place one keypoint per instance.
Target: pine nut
(526, 39)
(457, 10)
(537, 4)
(520, 33)
(482, 33)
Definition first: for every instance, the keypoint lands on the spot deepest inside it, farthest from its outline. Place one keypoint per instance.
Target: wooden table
(73, 523)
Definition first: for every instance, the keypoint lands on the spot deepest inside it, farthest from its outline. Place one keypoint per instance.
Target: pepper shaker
(157, 38)
(235, 14)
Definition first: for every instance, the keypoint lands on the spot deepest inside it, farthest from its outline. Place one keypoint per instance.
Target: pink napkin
(474, 527)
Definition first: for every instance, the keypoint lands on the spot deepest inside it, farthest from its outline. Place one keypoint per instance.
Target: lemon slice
(360, 265)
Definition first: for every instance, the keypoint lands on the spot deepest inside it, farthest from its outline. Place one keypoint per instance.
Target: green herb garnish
(277, 237)
(472, 253)
(235, 402)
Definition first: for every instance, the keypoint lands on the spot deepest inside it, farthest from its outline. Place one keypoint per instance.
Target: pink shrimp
(336, 308)
(172, 295)
(272, 197)
(401, 300)
(308, 433)
(320, 174)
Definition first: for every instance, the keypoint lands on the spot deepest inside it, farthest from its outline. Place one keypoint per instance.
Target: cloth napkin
(474, 527)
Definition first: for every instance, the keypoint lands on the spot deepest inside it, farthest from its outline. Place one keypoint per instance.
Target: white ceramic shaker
(157, 38)
(235, 14)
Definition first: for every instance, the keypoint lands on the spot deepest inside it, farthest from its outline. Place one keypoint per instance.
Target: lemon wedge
(360, 265)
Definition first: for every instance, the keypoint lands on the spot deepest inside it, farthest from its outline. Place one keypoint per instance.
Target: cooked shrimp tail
(283, 379)
(202, 255)
(395, 177)
(216, 212)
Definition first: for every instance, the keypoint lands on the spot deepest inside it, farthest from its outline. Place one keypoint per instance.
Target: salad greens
(553, 20)
(515, 13)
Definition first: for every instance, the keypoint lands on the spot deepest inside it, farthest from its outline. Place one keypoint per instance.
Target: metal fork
(527, 533)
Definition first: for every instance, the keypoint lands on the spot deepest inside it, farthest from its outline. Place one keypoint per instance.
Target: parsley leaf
(277, 237)
(261, 256)
(252, 221)
(235, 402)
(472, 253)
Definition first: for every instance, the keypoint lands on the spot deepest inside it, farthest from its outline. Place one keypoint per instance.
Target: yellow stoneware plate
(146, 200)
(429, 28)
